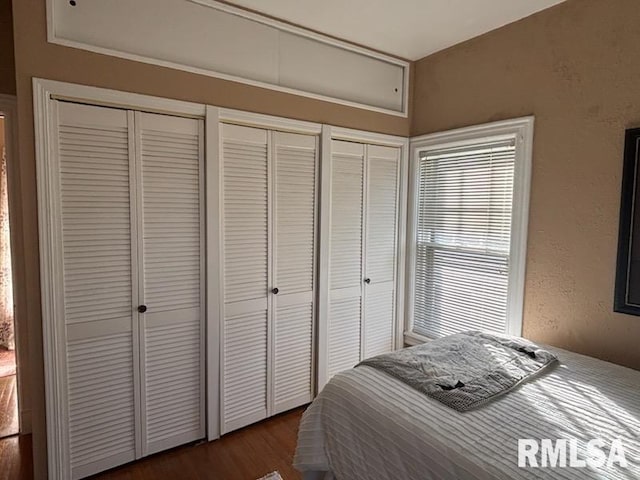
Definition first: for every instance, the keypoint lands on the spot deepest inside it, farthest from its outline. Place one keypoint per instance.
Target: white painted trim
(364, 222)
(9, 110)
(401, 251)
(216, 222)
(405, 65)
(519, 129)
(138, 323)
(213, 271)
(371, 138)
(330, 133)
(324, 225)
(316, 267)
(410, 261)
(272, 252)
(231, 78)
(115, 98)
(258, 120)
(204, 260)
(44, 91)
(50, 272)
(216, 191)
(471, 134)
(411, 339)
(520, 225)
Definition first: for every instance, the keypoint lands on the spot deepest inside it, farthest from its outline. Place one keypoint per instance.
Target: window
(468, 239)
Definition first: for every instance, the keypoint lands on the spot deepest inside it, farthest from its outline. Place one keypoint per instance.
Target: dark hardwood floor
(16, 460)
(247, 454)
(243, 455)
(8, 406)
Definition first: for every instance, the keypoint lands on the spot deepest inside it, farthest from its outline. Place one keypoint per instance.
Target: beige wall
(36, 58)
(576, 67)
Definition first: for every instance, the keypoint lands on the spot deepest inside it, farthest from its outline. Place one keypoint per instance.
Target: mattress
(366, 425)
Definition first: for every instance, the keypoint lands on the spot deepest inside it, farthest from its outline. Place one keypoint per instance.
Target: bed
(367, 425)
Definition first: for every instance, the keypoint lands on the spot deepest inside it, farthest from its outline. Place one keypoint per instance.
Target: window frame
(518, 129)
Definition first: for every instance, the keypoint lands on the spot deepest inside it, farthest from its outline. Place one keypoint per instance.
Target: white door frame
(368, 138)
(521, 130)
(44, 93)
(9, 110)
(215, 230)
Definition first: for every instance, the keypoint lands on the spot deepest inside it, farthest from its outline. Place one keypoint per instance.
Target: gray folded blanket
(466, 370)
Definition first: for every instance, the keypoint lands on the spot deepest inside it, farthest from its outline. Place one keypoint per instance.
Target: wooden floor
(8, 406)
(16, 460)
(247, 454)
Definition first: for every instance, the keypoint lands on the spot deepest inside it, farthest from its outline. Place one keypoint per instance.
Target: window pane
(463, 239)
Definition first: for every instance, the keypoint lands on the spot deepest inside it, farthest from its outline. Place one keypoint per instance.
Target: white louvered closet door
(95, 206)
(381, 207)
(345, 257)
(169, 152)
(245, 224)
(293, 253)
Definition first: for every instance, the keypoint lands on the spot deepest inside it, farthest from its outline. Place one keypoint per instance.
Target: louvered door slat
(101, 399)
(245, 218)
(245, 370)
(346, 219)
(380, 262)
(169, 161)
(245, 213)
(345, 256)
(94, 176)
(382, 207)
(344, 334)
(294, 268)
(293, 355)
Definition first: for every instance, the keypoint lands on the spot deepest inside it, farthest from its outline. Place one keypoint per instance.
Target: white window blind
(463, 238)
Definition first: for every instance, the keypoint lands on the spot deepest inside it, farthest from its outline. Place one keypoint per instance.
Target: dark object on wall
(627, 295)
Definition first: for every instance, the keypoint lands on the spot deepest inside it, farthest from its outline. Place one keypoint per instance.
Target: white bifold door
(126, 190)
(267, 222)
(358, 290)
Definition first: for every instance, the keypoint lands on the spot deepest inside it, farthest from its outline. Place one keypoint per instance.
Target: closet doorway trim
(44, 93)
(215, 261)
(330, 133)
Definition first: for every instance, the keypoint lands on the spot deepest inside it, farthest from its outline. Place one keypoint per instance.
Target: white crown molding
(240, 117)
(352, 135)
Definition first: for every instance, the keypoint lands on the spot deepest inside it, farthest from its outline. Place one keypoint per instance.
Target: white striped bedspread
(366, 425)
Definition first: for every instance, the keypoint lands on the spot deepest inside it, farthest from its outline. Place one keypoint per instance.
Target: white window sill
(412, 338)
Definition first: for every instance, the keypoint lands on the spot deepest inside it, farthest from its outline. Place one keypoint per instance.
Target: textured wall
(37, 58)
(576, 67)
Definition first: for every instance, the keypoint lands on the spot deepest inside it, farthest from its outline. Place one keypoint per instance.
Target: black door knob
(142, 308)
(275, 291)
(367, 280)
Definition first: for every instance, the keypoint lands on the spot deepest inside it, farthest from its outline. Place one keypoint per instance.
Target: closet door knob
(142, 308)
(367, 280)
(275, 291)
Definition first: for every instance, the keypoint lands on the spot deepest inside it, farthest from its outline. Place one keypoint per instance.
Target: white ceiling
(410, 29)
